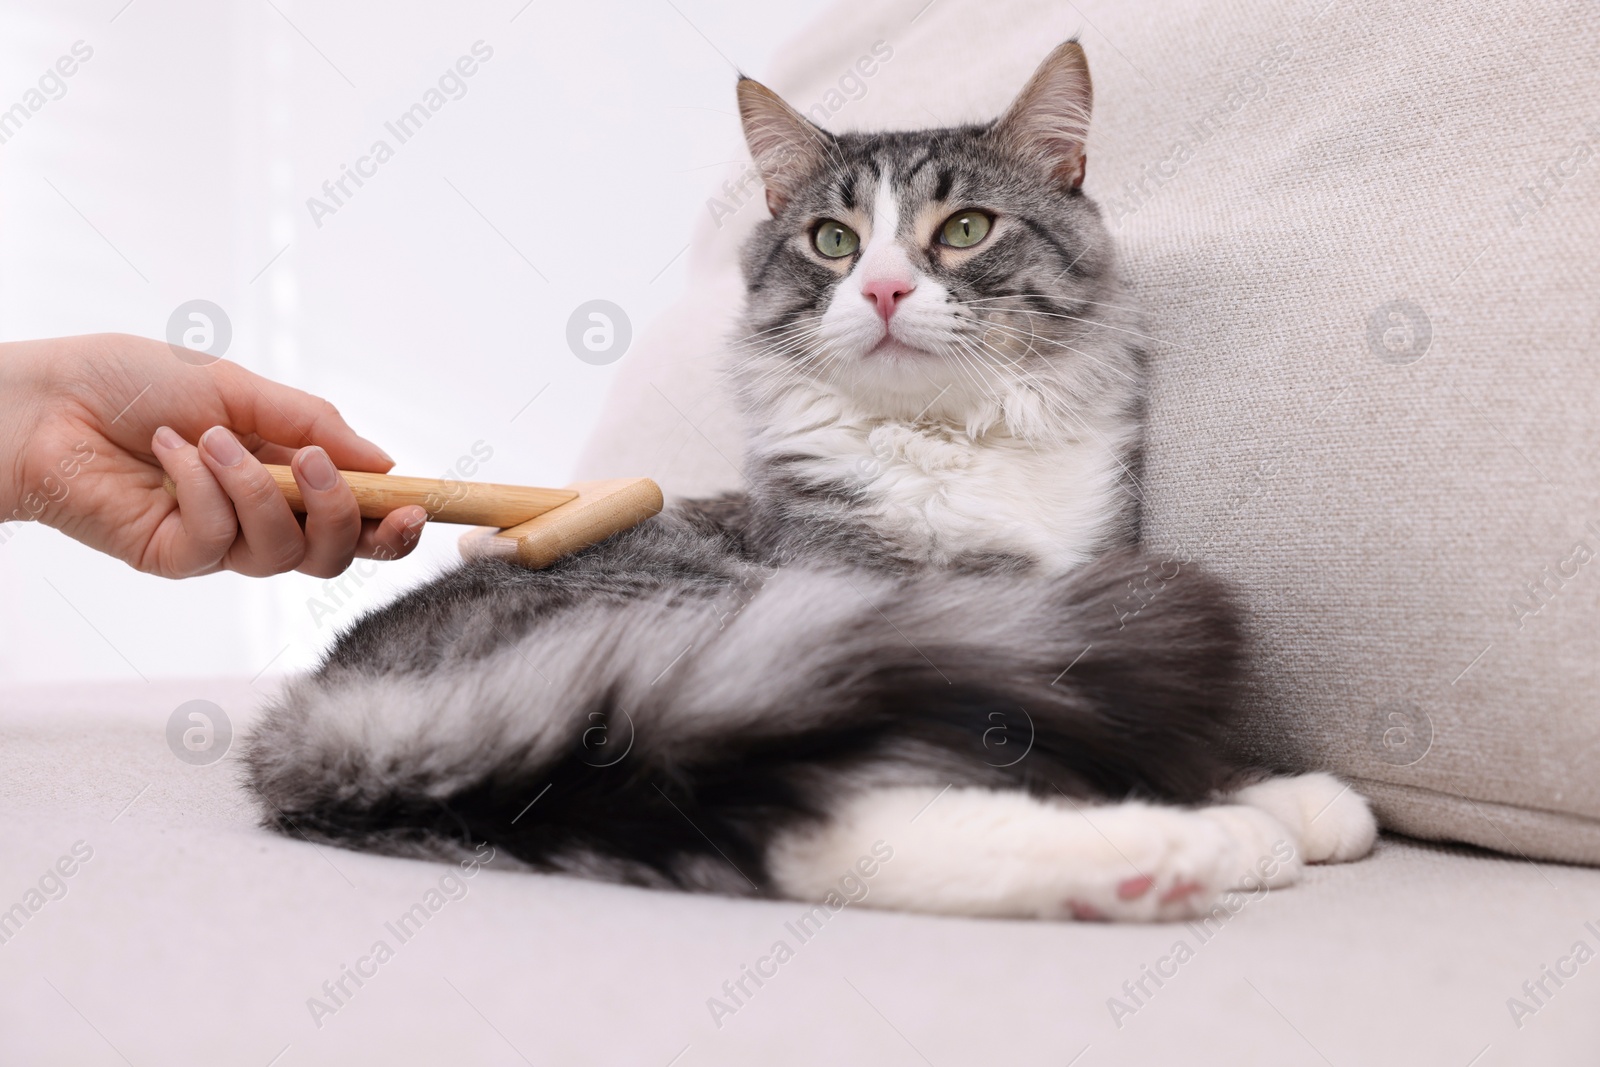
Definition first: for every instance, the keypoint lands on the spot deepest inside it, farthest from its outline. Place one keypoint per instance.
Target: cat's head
(959, 272)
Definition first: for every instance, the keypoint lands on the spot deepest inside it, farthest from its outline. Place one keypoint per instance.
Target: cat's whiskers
(787, 371)
(1113, 307)
(804, 342)
(1086, 322)
(1032, 336)
(1054, 398)
(769, 381)
(787, 344)
(1050, 391)
(1080, 426)
(760, 337)
(997, 394)
(979, 349)
(777, 379)
(966, 367)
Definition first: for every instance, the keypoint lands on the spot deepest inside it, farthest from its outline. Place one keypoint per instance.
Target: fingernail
(386, 457)
(167, 438)
(222, 446)
(318, 469)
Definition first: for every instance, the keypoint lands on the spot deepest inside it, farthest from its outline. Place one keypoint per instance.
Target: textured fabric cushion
(1366, 238)
(191, 937)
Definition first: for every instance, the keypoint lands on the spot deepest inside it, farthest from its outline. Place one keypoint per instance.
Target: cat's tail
(662, 742)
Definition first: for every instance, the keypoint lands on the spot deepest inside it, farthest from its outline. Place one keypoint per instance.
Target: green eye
(835, 240)
(965, 229)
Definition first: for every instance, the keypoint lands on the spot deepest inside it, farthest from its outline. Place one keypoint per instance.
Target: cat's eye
(965, 229)
(835, 240)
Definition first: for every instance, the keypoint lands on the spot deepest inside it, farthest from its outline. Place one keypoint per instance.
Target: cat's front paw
(1330, 820)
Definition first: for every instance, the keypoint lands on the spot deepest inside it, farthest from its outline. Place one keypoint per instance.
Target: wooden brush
(519, 524)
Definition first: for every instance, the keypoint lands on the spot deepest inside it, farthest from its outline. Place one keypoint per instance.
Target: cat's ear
(785, 145)
(1049, 119)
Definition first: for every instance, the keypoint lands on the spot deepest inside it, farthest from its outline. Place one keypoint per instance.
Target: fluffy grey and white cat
(922, 644)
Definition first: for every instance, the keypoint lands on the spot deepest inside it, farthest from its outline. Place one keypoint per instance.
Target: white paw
(1331, 821)
(1265, 852)
(1182, 862)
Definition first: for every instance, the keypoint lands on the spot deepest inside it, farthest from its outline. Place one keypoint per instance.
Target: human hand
(88, 426)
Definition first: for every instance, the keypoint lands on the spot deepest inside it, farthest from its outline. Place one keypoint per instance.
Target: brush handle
(468, 503)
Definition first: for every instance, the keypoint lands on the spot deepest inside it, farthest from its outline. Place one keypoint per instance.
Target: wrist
(21, 397)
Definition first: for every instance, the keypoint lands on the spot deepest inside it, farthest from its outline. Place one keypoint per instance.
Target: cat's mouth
(892, 348)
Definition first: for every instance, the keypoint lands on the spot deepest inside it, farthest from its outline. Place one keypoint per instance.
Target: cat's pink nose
(887, 294)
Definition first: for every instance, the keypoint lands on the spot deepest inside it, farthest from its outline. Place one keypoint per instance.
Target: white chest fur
(941, 492)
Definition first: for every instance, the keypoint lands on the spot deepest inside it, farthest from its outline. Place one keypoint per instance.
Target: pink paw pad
(1085, 912)
(1180, 890)
(1133, 888)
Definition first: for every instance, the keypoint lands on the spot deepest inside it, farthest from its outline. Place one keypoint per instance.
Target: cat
(908, 645)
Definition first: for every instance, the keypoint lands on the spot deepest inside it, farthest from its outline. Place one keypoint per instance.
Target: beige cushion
(1368, 243)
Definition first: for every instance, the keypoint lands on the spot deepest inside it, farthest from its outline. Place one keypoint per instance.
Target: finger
(273, 540)
(333, 521)
(280, 455)
(193, 538)
(395, 536)
(292, 418)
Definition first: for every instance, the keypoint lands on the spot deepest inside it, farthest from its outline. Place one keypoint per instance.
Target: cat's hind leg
(998, 853)
(1331, 822)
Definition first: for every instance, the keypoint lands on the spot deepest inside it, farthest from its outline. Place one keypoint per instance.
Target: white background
(177, 166)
